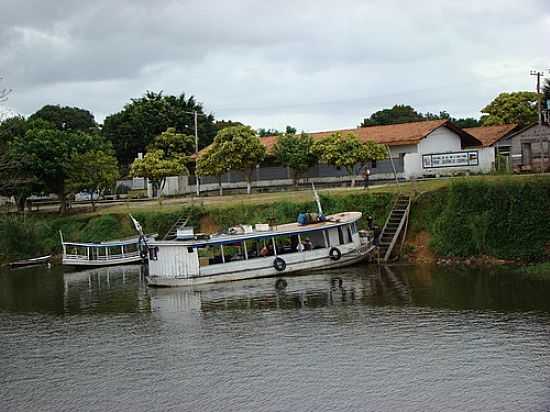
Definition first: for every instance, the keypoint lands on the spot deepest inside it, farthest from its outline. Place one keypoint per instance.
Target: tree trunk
(62, 202)
(220, 185)
(20, 203)
(352, 180)
(249, 182)
(160, 189)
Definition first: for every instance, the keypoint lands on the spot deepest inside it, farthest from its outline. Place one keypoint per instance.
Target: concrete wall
(414, 169)
(441, 140)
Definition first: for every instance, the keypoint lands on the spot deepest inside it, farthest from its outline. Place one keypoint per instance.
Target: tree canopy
(133, 128)
(67, 118)
(156, 167)
(93, 172)
(173, 143)
(295, 151)
(212, 163)
(516, 107)
(347, 151)
(48, 153)
(275, 132)
(400, 113)
(240, 149)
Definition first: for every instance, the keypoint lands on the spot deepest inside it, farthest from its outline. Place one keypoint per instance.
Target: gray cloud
(313, 64)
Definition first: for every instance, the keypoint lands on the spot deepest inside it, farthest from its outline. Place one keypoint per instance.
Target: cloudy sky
(315, 64)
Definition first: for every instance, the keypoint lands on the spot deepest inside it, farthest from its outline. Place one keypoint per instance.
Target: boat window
(210, 255)
(233, 251)
(316, 239)
(354, 228)
(286, 244)
(254, 247)
(340, 235)
(348, 232)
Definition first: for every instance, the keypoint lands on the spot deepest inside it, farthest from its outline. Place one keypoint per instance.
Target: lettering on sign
(455, 159)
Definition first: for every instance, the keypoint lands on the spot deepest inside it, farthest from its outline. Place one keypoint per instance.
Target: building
(528, 148)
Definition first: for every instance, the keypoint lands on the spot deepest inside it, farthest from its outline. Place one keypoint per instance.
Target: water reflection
(123, 290)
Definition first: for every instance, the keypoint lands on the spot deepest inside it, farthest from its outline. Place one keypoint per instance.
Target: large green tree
(156, 167)
(10, 129)
(93, 172)
(516, 107)
(133, 128)
(67, 118)
(173, 143)
(212, 163)
(399, 113)
(294, 151)
(347, 151)
(47, 154)
(241, 149)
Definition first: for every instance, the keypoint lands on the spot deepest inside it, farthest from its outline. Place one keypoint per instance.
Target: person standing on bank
(366, 175)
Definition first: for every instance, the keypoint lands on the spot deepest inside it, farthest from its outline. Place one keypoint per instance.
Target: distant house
(492, 135)
(529, 148)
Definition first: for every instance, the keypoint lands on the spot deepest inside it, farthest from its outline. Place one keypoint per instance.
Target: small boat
(246, 253)
(42, 260)
(111, 253)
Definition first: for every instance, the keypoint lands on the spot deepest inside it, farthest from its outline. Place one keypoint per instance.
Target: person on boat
(307, 244)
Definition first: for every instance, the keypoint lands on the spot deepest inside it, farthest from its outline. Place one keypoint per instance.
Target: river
(360, 339)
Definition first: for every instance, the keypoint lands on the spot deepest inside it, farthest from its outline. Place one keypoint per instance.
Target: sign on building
(455, 159)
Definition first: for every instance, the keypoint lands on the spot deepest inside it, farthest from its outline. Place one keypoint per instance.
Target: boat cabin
(257, 250)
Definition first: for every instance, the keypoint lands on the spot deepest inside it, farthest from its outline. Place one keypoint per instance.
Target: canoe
(42, 260)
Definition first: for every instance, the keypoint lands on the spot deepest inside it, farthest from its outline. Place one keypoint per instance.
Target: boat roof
(120, 242)
(295, 228)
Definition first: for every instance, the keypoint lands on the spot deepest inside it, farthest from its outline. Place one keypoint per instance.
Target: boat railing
(73, 256)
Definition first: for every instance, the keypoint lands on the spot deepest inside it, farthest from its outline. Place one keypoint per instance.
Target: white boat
(115, 252)
(260, 252)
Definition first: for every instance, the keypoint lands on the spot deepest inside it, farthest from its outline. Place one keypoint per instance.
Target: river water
(359, 339)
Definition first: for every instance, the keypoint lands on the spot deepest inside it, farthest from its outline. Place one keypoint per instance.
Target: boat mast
(317, 200)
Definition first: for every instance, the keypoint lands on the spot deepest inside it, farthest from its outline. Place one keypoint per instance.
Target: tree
(93, 172)
(294, 151)
(156, 167)
(212, 163)
(134, 128)
(67, 118)
(10, 129)
(397, 114)
(466, 122)
(546, 93)
(516, 107)
(274, 132)
(47, 153)
(173, 143)
(222, 124)
(241, 149)
(16, 180)
(347, 151)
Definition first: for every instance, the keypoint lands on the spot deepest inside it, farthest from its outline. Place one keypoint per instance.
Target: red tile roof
(392, 135)
(489, 135)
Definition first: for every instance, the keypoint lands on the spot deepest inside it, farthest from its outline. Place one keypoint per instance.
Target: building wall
(532, 135)
(441, 140)
(414, 169)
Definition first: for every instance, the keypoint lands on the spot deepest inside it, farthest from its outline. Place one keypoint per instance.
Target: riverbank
(493, 219)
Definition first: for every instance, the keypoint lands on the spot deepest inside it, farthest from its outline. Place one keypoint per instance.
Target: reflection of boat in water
(331, 242)
(329, 288)
(102, 277)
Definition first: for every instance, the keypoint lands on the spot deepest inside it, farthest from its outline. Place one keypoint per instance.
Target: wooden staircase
(172, 233)
(396, 224)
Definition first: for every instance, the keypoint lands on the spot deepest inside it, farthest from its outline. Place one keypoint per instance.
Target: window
(373, 164)
(348, 232)
(210, 255)
(233, 252)
(340, 235)
(313, 240)
(286, 244)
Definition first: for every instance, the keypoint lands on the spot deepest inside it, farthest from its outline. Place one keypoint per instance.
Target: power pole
(539, 111)
(197, 183)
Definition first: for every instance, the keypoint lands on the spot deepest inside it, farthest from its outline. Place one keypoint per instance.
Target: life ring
(335, 253)
(280, 284)
(279, 264)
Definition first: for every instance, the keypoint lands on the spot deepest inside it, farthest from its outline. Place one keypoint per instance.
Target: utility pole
(197, 183)
(539, 111)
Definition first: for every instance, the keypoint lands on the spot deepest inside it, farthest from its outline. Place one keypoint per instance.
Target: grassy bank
(504, 218)
(38, 235)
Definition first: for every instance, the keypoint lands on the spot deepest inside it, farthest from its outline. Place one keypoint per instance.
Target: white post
(197, 183)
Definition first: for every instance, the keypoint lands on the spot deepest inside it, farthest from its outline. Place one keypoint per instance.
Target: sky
(315, 65)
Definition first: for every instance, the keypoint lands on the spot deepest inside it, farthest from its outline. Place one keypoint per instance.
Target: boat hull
(102, 263)
(323, 263)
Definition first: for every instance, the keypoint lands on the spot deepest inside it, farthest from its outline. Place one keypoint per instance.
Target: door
(526, 154)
